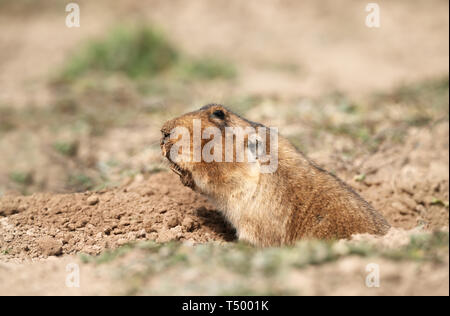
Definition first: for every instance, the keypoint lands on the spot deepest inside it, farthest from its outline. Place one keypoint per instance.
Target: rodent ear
(254, 140)
(252, 147)
(220, 114)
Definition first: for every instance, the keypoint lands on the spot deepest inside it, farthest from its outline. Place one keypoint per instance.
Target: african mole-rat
(298, 200)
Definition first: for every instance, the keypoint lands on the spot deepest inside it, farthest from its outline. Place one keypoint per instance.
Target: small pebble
(92, 200)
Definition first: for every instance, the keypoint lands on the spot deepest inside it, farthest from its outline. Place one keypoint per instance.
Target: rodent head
(197, 146)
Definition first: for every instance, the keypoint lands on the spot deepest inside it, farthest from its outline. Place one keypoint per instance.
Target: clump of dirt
(158, 208)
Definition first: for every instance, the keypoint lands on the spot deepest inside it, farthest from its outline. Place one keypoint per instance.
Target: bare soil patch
(159, 208)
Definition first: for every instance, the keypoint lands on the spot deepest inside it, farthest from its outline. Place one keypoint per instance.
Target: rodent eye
(219, 114)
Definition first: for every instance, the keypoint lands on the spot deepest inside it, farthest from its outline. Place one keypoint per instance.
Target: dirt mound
(158, 208)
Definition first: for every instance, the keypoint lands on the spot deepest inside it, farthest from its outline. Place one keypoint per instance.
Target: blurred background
(81, 108)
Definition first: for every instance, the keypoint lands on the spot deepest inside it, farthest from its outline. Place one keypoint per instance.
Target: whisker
(154, 143)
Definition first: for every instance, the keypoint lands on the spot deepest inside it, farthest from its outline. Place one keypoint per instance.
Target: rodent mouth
(185, 175)
(172, 165)
(175, 168)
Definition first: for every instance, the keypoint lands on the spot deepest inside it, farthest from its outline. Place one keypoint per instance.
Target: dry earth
(408, 184)
(307, 51)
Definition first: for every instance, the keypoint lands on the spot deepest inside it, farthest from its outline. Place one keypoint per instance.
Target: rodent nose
(165, 137)
(164, 142)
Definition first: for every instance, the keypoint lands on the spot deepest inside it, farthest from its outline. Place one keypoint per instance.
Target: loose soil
(159, 208)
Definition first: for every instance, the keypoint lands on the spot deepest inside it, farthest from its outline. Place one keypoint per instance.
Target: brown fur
(300, 200)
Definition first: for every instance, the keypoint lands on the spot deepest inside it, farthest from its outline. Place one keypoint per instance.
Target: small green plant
(360, 177)
(422, 247)
(22, 178)
(80, 182)
(107, 256)
(136, 52)
(436, 201)
(435, 90)
(243, 104)
(6, 119)
(141, 52)
(68, 149)
(426, 100)
(208, 68)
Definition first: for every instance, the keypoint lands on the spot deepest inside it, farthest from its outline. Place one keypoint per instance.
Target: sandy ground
(158, 208)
